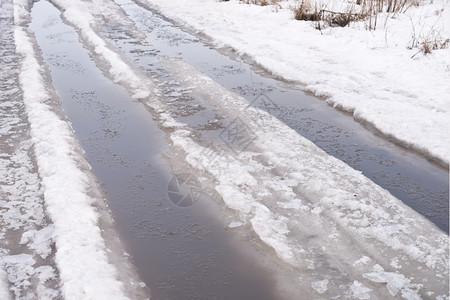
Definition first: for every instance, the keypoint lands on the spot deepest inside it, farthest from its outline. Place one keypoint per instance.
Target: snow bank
(368, 73)
(4, 291)
(22, 213)
(81, 254)
(317, 213)
(322, 197)
(82, 16)
(139, 86)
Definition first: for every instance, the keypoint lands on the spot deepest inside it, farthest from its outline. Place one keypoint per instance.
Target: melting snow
(369, 73)
(359, 235)
(320, 286)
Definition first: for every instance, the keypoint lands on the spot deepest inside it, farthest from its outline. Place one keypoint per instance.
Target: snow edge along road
(4, 292)
(72, 198)
(407, 106)
(343, 201)
(387, 226)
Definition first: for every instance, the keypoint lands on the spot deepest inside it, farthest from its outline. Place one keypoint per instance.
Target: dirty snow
(373, 74)
(68, 192)
(336, 201)
(22, 211)
(321, 218)
(320, 286)
(4, 291)
(359, 291)
(303, 203)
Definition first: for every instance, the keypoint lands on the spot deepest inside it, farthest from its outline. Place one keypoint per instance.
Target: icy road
(137, 161)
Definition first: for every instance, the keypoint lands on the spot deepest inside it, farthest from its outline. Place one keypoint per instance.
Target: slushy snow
(335, 229)
(303, 203)
(69, 192)
(4, 291)
(26, 238)
(372, 74)
(336, 203)
(320, 286)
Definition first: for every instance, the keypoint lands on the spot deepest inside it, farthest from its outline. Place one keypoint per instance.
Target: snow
(320, 286)
(23, 268)
(339, 200)
(39, 240)
(22, 209)
(359, 291)
(4, 291)
(81, 254)
(363, 260)
(369, 73)
(395, 282)
(235, 224)
(305, 205)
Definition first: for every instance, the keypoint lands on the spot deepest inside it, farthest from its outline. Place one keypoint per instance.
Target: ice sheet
(81, 254)
(369, 73)
(4, 291)
(330, 200)
(317, 214)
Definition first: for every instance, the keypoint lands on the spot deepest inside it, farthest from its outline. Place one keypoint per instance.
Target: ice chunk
(235, 224)
(141, 94)
(395, 282)
(320, 286)
(359, 291)
(362, 261)
(40, 240)
(4, 291)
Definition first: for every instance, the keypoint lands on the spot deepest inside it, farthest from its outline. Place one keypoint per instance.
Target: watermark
(263, 101)
(215, 160)
(237, 136)
(184, 190)
(264, 108)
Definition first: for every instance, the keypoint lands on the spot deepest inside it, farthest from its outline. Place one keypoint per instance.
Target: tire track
(26, 234)
(298, 200)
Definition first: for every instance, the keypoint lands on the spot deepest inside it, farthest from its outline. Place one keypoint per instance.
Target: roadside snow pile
(70, 194)
(309, 206)
(4, 292)
(377, 75)
(27, 268)
(139, 86)
(340, 233)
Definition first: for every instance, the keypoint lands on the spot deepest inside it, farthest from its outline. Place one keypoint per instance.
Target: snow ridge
(81, 254)
(117, 69)
(316, 189)
(309, 207)
(368, 73)
(27, 268)
(4, 292)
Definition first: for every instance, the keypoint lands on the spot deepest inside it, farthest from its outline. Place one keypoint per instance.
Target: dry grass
(429, 39)
(430, 42)
(426, 46)
(362, 10)
(260, 2)
(318, 12)
(321, 15)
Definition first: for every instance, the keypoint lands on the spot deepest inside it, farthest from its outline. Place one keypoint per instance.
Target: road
(222, 181)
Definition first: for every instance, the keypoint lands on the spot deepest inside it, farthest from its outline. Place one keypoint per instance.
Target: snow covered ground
(51, 245)
(369, 73)
(25, 233)
(338, 233)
